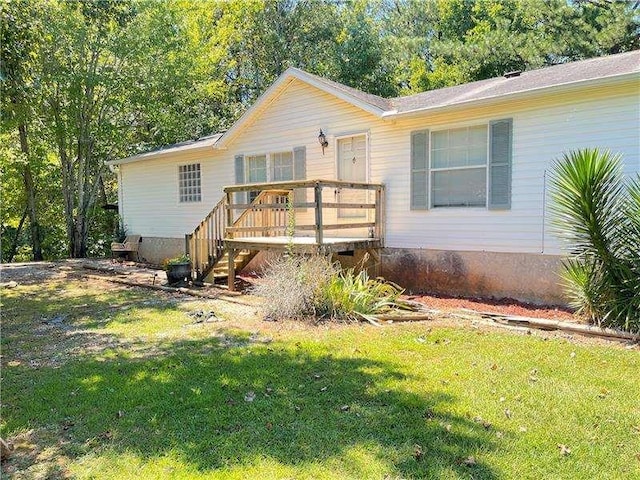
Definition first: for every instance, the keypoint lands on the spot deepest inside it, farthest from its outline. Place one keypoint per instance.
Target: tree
(473, 40)
(21, 30)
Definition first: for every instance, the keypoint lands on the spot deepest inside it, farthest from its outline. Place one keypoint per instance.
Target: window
(189, 186)
(459, 167)
(282, 165)
(462, 167)
(256, 172)
(274, 167)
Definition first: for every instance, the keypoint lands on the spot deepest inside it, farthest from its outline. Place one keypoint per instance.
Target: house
(464, 169)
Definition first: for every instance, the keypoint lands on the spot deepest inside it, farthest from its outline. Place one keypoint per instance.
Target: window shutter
(300, 173)
(420, 170)
(500, 153)
(239, 168)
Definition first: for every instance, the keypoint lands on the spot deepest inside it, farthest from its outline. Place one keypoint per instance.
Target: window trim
(469, 167)
(246, 165)
(269, 159)
(269, 166)
(199, 184)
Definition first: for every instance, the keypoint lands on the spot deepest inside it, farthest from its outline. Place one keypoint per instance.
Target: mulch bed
(505, 306)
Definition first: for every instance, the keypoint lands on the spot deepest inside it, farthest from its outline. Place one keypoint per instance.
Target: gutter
(159, 153)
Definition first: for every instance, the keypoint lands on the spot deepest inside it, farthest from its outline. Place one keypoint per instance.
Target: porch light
(322, 140)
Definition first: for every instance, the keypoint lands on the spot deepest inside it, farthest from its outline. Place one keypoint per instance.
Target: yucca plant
(598, 215)
(354, 296)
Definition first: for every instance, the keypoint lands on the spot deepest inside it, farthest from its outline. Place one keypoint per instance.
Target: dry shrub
(292, 285)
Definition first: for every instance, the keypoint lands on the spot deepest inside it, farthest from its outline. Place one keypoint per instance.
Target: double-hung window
(282, 166)
(459, 167)
(462, 167)
(189, 183)
(272, 167)
(256, 172)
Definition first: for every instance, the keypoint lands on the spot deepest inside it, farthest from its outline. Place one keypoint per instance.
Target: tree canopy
(88, 81)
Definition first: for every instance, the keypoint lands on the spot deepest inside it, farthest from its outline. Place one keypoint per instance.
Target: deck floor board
(303, 244)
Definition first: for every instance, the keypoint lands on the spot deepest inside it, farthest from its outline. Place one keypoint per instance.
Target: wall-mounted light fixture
(322, 140)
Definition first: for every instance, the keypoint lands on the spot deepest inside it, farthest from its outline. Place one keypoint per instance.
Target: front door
(352, 167)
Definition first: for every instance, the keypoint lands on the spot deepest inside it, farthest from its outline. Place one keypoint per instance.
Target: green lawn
(121, 383)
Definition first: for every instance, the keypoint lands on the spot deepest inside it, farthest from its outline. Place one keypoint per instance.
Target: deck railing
(205, 245)
(269, 218)
(265, 216)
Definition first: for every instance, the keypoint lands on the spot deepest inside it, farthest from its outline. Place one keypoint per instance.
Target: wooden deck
(303, 244)
(280, 218)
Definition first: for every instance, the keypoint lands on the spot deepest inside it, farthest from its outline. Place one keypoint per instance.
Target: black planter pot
(179, 272)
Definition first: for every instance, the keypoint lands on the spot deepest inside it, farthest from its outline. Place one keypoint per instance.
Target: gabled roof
(566, 74)
(189, 145)
(368, 98)
(557, 77)
(366, 101)
(601, 70)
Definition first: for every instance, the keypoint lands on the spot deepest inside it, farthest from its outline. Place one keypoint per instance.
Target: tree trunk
(14, 244)
(30, 191)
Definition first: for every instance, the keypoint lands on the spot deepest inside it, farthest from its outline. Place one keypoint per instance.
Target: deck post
(380, 214)
(229, 211)
(317, 194)
(231, 279)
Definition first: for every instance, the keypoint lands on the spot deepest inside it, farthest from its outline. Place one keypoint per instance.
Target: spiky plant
(354, 296)
(598, 215)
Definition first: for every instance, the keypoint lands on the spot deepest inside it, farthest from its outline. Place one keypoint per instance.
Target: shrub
(352, 296)
(598, 215)
(179, 260)
(303, 286)
(291, 285)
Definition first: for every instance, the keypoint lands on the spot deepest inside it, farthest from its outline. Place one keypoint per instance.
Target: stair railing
(205, 246)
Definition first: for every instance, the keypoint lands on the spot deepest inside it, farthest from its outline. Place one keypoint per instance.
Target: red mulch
(505, 306)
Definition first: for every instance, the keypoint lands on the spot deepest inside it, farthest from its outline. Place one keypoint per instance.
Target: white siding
(542, 131)
(149, 194)
(539, 136)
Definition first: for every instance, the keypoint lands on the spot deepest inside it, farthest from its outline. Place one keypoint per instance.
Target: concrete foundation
(525, 277)
(156, 249)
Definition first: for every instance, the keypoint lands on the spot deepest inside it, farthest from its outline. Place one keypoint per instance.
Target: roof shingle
(573, 72)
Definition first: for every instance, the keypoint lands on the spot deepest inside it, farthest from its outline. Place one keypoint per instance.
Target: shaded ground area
(102, 380)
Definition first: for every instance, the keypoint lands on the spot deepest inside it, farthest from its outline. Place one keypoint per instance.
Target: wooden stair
(206, 244)
(220, 270)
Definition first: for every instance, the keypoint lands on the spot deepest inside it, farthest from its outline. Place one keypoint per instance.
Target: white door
(352, 167)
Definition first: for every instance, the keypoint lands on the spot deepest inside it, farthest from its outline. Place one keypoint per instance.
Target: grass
(122, 383)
